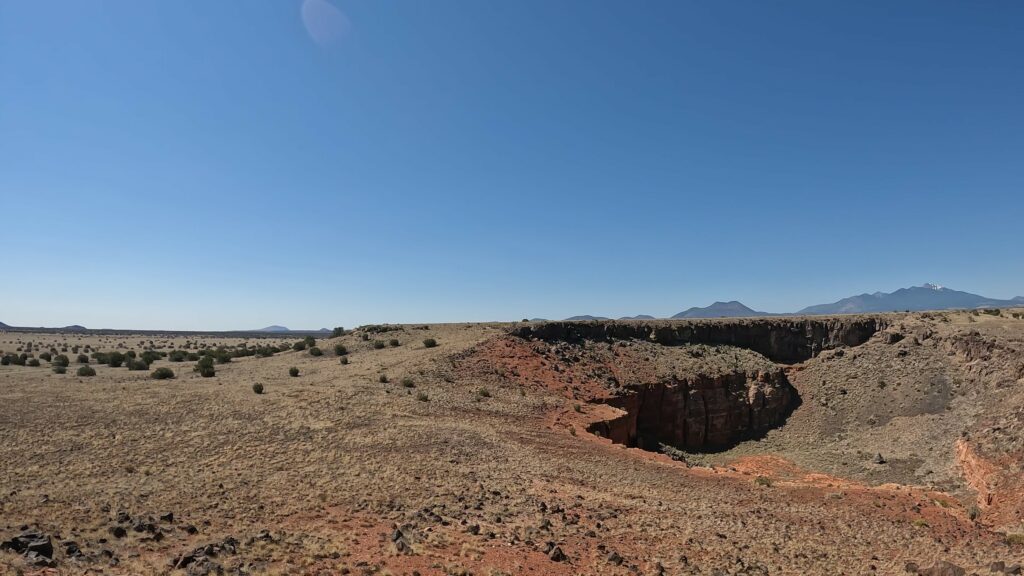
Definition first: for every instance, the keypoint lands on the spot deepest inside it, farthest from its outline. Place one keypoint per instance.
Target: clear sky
(229, 165)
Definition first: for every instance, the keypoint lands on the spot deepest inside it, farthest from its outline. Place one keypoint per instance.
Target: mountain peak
(932, 287)
(274, 328)
(730, 309)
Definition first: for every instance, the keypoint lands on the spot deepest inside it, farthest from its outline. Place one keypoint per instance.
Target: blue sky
(222, 165)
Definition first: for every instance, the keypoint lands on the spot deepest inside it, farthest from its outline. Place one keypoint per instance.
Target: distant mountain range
(731, 309)
(926, 297)
(915, 298)
(2, 325)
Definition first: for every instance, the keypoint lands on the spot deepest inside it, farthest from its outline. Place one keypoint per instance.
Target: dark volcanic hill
(587, 317)
(2, 325)
(638, 317)
(732, 309)
(926, 297)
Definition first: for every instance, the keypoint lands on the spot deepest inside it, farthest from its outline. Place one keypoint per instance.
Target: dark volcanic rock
(786, 340)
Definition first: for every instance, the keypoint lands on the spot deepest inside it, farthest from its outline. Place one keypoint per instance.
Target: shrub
(46, 356)
(86, 371)
(58, 369)
(337, 332)
(344, 359)
(17, 360)
(177, 356)
(394, 342)
(340, 350)
(6, 361)
(364, 336)
(429, 343)
(100, 357)
(205, 367)
(192, 356)
(378, 344)
(130, 354)
(383, 379)
(314, 351)
(309, 341)
(408, 383)
(257, 388)
(33, 362)
(763, 481)
(163, 373)
(115, 359)
(299, 346)
(483, 393)
(293, 371)
(83, 359)
(137, 365)
(62, 360)
(149, 357)
(422, 397)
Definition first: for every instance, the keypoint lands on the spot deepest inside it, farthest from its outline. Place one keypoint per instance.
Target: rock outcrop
(699, 412)
(786, 340)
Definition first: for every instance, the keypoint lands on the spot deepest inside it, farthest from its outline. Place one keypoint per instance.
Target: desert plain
(882, 444)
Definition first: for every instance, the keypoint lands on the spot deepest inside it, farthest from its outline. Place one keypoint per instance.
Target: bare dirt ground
(473, 458)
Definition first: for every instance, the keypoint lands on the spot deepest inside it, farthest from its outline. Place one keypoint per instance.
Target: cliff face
(699, 412)
(698, 385)
(786, 340)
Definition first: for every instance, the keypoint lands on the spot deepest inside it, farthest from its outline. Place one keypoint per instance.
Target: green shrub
(344, 359)
(86, 371)
(205, 367)
(149, 356)
(46, 356)
(62, 360)
(340, 350)
(177, 356)
(378, 344)
(163, 373)
(383, 378)
(257, 388)
(293, 371)
(314, 351)
(34, 362)
(6, 361)
(429, 343)
(299, 346)
(408, 383)
(364, 336)
(83, 359)
(422, 397)
(192, 356)
(100, 357)
(483, 393)
(309, 341)
(394, 343)
(137, 365)
(58, 369)
(337, 332)
(115, 359)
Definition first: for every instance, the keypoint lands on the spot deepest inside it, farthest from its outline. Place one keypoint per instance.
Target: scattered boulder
(36, 547)
(557, 555)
